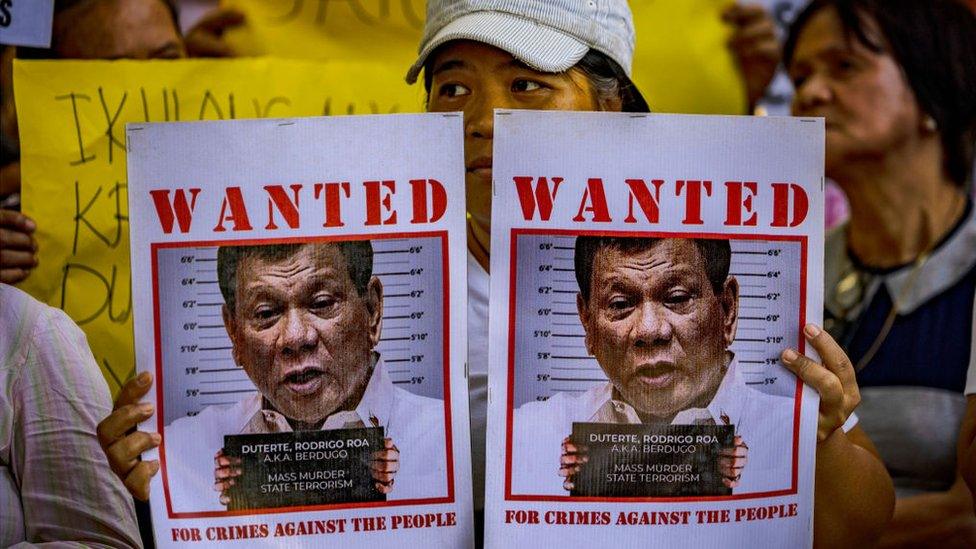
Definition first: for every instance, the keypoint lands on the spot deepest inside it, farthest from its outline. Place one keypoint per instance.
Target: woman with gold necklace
(896, 82)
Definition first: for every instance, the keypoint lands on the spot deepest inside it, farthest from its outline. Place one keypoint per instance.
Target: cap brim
(540, 47)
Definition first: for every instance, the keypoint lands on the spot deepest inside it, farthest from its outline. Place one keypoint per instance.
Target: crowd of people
(895, 81)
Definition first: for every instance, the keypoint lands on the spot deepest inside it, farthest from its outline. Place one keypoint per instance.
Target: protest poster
(300, 303)
(26, 23)
(647, 272)
(72, 118)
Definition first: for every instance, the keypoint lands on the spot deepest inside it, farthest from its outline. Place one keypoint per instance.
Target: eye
(323, 301)
(678, 298)
(452, 90)
(264, 312)
(619, 303)
(525, 85)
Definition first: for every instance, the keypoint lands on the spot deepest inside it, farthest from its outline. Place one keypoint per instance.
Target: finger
(382, 477)
(124, 454)
(813, 374)
(743, 13)
(568, 485)
(12, 239)
(569, 470)
(385, 455)
(384, 466)
(18, 259)
(223, 485)
(833, 356)
(16, 220)
(735, 464)
(227, 461)
(383, 488)
(573, 459)
(224, 500)
(220, 20)
(137, 481)
(730, 482)
(121, 421)
(201, 44)
(134, 389)
(732, 453)
(227, 473)
(13, 276)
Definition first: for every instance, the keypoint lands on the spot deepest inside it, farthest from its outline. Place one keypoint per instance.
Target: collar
(374, 408)
(946, 266)
(725, 408)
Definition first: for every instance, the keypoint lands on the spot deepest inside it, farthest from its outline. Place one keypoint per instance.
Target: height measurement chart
(549, 332)
(300, 303)
(196, 340)
(645, 281)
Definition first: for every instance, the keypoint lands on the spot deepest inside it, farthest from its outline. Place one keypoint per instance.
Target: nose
(297, 335)
(479, 111)
(811, 93)
(652, 325)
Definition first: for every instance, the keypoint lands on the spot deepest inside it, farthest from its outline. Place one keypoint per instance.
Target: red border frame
(510, 385)
(445, 254)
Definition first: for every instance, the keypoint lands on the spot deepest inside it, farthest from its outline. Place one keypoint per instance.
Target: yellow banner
(72, 128)
(681, 63)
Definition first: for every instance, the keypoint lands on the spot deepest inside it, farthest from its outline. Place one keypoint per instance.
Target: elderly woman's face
(869, 108)
(477, 78)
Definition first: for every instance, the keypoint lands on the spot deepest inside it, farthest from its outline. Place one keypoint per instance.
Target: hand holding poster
(647, 276)
(299, 308)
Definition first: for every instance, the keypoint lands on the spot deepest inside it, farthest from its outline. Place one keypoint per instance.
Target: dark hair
(64, 5)
(934, 43)
(357, 253)
(717, 255)
(607, 79)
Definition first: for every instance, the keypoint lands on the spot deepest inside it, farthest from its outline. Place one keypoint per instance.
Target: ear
(730, 309)
(583, 309)
(230, 324)
(374, 308)
(615, 104)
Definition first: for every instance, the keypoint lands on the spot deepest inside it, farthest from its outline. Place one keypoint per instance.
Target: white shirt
(415, 423)
(478, 283)
(55, 483)
(765, 423)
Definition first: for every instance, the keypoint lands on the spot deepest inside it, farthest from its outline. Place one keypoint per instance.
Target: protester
(55, 485)
(894, 80)
(478, 56)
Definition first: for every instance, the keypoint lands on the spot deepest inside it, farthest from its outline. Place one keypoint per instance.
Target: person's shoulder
(221, 419)
(25, 321)
(561, 407)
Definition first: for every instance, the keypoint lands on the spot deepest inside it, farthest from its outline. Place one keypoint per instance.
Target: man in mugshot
(659, 316)
(303, 321)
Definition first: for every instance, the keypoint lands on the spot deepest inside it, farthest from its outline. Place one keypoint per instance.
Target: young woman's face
(869, 108)
(476, 78)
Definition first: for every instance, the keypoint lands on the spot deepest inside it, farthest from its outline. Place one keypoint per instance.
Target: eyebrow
(452, 64)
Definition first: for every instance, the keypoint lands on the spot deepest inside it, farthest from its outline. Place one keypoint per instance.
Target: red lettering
(278, 198)
(781, 205)
(542, 196)
(238, 213)
(376, 202)
(597, 202)
(178, 209)
(693, 199)
(649, 204)
(333, 211)
(438, 197)
(737, 203)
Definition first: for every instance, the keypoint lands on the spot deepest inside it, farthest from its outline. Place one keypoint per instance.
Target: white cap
(547, 35)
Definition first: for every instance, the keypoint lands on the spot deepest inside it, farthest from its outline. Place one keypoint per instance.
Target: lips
(656, 376)
(480, 166)
(304, 381)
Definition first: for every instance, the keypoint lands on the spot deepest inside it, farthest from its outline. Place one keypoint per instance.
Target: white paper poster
(299, 297)
(26, 22)
(647, 271)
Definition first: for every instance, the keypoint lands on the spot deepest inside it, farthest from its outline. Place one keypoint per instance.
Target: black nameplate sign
(304, 468)
(651, 460)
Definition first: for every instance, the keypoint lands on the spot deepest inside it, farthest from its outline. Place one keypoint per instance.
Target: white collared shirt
(765, 423)
(415, 423)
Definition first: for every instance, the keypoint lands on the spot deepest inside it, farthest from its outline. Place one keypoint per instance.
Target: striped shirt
(55, 482)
